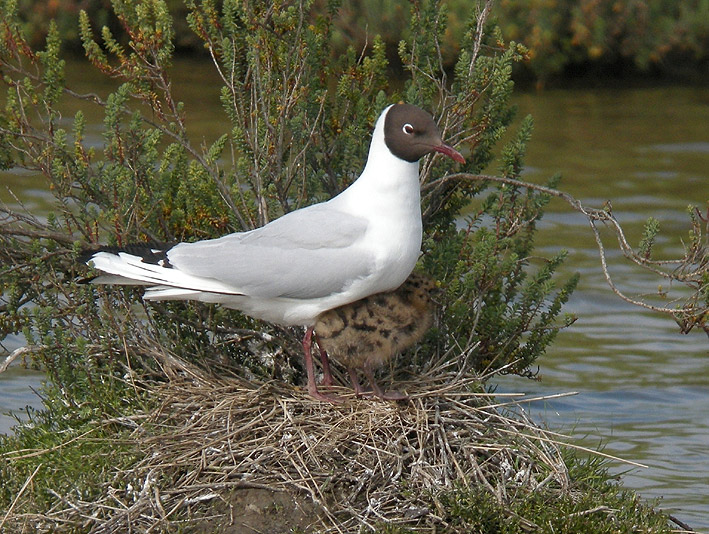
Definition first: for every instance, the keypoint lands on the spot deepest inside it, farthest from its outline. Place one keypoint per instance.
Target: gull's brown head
(410, 133)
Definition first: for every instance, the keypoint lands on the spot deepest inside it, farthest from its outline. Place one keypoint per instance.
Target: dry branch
(687, 270)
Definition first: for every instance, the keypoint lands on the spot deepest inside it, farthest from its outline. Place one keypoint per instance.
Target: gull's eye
(408, 129)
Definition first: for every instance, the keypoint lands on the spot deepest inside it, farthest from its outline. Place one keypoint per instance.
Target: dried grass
(362, 462)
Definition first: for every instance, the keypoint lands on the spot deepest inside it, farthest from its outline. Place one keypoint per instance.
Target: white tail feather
(170, 293)
(135, 271)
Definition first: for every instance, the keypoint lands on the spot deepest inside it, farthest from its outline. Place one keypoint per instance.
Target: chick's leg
(379, 392)
(325, 360)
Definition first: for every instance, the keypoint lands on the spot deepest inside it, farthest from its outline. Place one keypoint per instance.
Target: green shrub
(295, 115)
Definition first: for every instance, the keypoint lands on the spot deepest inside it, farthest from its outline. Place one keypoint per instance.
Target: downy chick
(365, 334)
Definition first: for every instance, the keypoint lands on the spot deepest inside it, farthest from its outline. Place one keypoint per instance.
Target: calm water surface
(643, 388)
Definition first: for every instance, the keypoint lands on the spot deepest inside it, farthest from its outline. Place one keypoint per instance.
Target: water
(643, 391)
(17, 391)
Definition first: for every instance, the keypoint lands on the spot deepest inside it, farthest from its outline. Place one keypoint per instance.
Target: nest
(348, 467)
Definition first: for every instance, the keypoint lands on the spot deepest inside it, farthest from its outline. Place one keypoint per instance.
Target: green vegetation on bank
(70, 447)
(127, 382)
(564, 38)
(596, 504)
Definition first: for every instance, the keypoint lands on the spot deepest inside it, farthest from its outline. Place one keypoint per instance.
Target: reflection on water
(643, 388)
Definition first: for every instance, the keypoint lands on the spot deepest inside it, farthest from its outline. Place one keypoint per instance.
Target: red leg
(310, 370)
(327, 375)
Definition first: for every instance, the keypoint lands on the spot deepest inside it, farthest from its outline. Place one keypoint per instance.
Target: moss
(596, 503)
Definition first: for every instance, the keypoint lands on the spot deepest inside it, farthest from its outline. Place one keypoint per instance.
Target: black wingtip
(85, 280)
(86, 254)
(154, 253)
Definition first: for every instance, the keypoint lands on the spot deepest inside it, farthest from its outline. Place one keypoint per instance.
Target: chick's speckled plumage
(367, 333)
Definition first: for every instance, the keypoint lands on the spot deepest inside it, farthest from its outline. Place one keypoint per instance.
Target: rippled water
(643, 388)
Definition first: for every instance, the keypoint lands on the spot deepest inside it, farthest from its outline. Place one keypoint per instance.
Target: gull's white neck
(387, 194)
(386, 179)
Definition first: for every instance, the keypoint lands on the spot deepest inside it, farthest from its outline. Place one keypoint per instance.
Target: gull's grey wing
(308, 253)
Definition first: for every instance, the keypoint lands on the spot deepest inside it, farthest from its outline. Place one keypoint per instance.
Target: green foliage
(652, 227)
(72, 449)
(502, 304)
(296, 115)
(663, 36)
(594, 504)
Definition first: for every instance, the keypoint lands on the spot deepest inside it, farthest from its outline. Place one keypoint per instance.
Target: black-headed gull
(365, 334)
(363, 241)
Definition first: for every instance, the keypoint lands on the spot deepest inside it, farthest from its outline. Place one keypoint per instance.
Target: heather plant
(295, 114)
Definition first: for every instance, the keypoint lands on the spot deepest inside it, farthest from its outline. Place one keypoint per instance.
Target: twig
(14, 355)
(686, 528)
(591, 511)
(19, 494)
(594, 215)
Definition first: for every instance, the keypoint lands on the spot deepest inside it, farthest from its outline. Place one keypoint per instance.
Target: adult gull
(366, 240)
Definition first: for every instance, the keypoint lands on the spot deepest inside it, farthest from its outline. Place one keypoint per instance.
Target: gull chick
(365, 334)
(366, 240)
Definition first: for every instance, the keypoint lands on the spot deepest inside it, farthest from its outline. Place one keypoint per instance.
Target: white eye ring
(408, 129)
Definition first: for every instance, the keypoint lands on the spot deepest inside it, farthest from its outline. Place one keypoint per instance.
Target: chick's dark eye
(408, 129)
